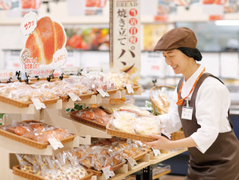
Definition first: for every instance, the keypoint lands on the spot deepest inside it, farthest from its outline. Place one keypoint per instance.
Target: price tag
(132, 162)
(74, 97)
(59, 58)
(103, 93)
(38, 104)
(55, 143)
(6, 74)
(107, 171)
(166, 134)
(28, 24)
(129, 89)
(156, 152)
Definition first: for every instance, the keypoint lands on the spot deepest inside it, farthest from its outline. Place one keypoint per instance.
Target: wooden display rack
(54, 114)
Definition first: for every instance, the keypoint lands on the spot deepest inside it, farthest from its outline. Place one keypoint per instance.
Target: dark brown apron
(221, 160)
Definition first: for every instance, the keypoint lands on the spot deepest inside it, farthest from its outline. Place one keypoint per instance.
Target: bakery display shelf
(164, 156)
(17, 171)
(13, 146)
(162, 174)
(111, 131)
(11, 109)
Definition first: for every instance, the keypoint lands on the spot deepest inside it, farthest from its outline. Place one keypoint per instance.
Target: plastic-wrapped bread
(147, 126)
(124, 121)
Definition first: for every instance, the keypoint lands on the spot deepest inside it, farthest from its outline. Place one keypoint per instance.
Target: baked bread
(47, 38)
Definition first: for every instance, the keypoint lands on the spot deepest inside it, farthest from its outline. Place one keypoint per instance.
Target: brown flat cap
(175, 38)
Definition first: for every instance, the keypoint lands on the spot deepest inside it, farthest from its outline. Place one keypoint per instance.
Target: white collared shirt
(212, 103)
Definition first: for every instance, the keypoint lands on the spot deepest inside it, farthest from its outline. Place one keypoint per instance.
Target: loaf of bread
(47, 38)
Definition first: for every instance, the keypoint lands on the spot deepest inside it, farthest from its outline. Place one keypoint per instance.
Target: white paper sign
(129, 89)
(126, 35)
(6, 74)
(38, 104)
(28, 24)
(156, 152)
(103, 93)
(74, 97)
(132, 162)
(55, 143)
(107, 171)
(59, 58)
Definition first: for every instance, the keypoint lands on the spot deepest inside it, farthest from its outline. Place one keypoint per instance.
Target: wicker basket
(114, 168)
(17, 171)
(111, 131)
(92, 123)
(22, 104)
(30, 142)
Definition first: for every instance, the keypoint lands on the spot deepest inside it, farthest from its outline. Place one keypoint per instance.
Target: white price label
(156, 152)
(103, 93)
(59, 58)
(55, 143)
(28, 24)
(129, 89)
(166, 134)
(74, 97)
(38, 104)
(5, 74)
(132, 162)
(107, 171)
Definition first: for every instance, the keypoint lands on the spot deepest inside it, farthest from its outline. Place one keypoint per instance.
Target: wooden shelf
(164, 156)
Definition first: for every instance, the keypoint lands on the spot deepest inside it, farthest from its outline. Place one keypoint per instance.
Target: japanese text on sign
(28, 24)
(30, 64)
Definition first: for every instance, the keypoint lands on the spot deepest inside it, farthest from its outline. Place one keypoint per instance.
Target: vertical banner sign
(125, 52)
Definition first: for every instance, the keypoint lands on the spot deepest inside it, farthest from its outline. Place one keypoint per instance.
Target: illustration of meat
(47, 38)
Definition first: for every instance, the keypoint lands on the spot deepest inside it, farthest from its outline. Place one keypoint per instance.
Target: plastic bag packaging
(87, 114)
(33, 161)
(124, 121)
(147, 125)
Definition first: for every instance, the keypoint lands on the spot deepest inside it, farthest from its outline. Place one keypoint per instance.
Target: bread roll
(47, 38)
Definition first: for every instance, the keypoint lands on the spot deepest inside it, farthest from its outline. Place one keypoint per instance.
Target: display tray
(17, 171)
(114, 168)
(66, 98)
(111, 131)
(31, 142)
(135, 87)
(92, 123)
(22, 104)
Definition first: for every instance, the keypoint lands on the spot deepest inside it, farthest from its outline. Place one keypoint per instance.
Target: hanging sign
(45, 44)
(125, 51)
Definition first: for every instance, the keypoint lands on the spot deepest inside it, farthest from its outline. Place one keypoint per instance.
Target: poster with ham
(45, 43)
(125, 52)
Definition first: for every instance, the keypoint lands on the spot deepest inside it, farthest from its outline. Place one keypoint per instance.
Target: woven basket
(111, 131)
(17, 171)
(30, 142)
(114, 168)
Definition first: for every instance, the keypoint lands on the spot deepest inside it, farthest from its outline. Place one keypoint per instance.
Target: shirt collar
(189, 83)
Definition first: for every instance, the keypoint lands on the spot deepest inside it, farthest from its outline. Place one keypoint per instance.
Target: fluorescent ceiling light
(227, 22)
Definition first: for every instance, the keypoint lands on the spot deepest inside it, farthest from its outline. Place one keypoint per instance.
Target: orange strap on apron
(180, 101)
